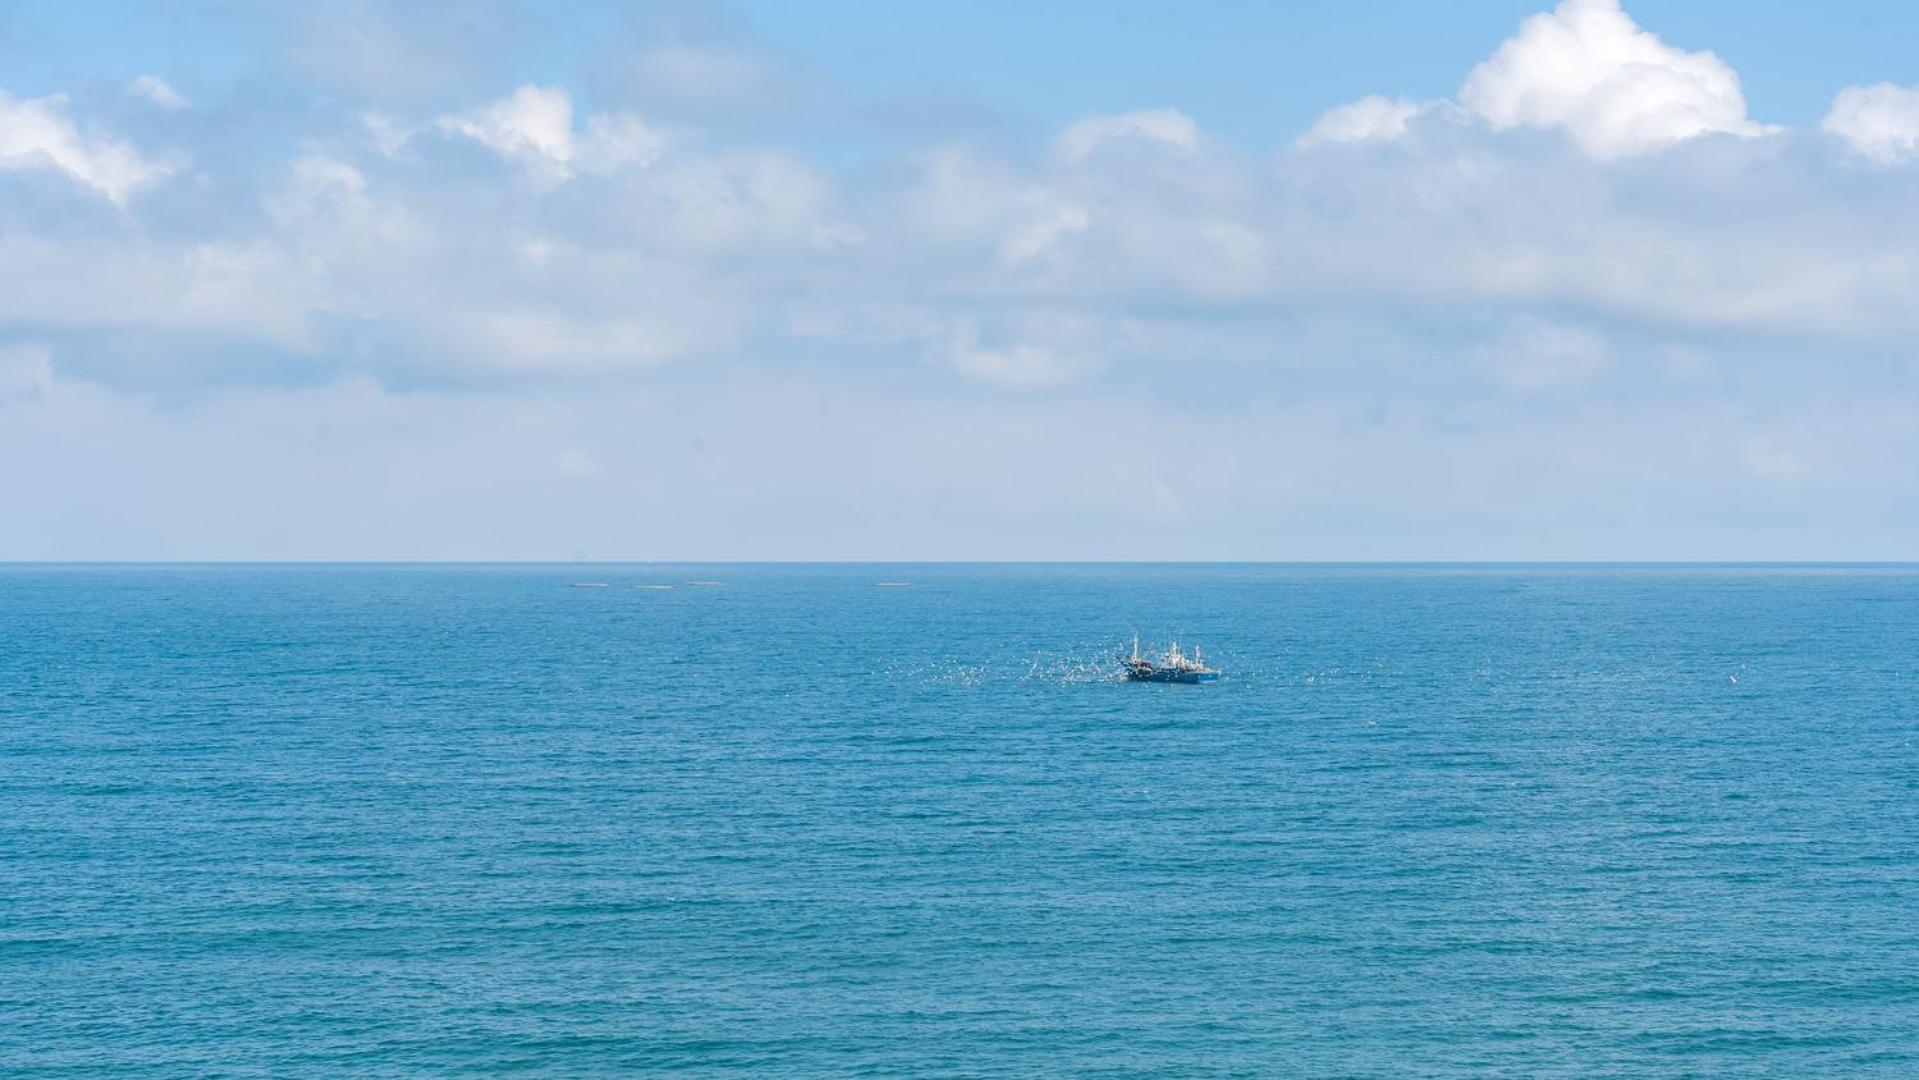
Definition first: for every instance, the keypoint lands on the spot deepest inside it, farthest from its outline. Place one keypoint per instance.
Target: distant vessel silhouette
(1173, 667)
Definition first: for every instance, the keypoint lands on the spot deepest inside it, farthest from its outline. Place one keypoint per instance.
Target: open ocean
(425, 820)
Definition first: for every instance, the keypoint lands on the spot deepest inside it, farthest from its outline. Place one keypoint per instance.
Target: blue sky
(988, 280)
(1256, 71)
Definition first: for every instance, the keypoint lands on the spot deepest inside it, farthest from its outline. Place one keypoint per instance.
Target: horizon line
(1092, 561)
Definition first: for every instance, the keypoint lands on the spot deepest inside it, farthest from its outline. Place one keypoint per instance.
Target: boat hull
(1162, 676)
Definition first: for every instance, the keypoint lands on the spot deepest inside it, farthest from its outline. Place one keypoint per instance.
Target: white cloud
(1016, 367)
(534, 125)
(718, 202)
(1588, 69)
(612, 143)
(524, 340)
(1370, 119)
(144, 298)
(1880, 122)
(36, 133)
(388, 134)
(1167, 127)
(155, 90)
(960, 194)
(344, 235)
(1044, 228)
(316, 178)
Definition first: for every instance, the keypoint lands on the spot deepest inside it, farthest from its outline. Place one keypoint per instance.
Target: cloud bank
(1593, 238)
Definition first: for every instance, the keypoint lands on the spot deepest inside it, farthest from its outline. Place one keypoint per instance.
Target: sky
(994, 280)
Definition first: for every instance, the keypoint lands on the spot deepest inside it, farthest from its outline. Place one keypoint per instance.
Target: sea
(905, 820)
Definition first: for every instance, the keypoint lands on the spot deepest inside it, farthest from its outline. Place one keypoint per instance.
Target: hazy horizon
(1357, 564)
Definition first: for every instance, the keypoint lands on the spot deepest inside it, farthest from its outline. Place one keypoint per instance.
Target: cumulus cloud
(1041, 230)
(389, 135)
(534, 125)
(37, 133)
(1166, 127)
(1588, 69)
(1880, 122)
(612, 143)
(154, 89)
(1370, 119)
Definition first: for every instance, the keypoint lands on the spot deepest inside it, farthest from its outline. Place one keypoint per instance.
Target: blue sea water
(1524, 821)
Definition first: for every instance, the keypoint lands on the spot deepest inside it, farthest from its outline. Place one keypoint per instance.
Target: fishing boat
(1173, 667)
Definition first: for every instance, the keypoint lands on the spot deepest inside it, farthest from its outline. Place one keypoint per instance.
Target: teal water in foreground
(324, 821)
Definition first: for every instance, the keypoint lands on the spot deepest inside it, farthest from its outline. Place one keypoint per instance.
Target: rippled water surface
(424, 820)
